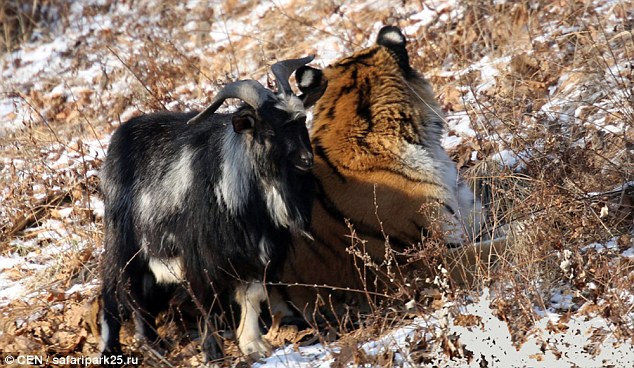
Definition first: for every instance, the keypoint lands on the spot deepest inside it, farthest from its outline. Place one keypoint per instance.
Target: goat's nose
(305, 160)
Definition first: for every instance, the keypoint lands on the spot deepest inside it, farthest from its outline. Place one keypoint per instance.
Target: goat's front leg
(250, 340)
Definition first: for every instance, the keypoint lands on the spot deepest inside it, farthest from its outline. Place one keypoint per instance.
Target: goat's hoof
(256, 349)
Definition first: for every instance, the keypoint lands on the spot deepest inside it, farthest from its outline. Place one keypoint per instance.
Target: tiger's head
(376, 135)
(373, 101)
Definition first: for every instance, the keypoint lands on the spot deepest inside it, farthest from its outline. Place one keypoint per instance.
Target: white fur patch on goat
(145, 205)
(167, 270)
(237, 173)
(105, 331)
(249, 297)
(276, 206)
(293, 105)
(144, 246)
(265, 247)
(167, 194)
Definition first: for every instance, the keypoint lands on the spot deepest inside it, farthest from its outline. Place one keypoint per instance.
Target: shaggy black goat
(205, 202)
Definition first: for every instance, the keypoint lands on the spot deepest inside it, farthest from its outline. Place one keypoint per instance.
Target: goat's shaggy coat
(379, 163)
(207, 207)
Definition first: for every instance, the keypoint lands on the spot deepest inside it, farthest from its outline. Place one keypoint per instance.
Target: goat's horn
(282, 70)
(249, 91)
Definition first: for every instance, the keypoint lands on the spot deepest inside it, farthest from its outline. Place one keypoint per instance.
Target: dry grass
(553, 105)
(19, 19)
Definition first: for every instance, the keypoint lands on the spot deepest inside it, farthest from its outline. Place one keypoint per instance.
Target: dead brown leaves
(158, 69)
(351, 353)
(280, 335)
(57, 325)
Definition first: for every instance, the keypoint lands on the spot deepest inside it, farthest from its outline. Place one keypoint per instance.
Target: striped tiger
(380, 168)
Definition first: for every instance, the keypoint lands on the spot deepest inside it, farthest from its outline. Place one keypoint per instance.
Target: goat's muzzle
(303, 161)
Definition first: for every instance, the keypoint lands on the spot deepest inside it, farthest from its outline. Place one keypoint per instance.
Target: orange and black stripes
(376, 138)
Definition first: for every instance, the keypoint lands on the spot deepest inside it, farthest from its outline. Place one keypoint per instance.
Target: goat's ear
(312, 83)
(242, 123)
(392, 38)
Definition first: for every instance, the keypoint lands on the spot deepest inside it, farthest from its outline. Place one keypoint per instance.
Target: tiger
(381, 172)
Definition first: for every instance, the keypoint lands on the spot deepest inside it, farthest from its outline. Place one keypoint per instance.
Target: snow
(306, 356)
(6, 106)
(65, 212)
(561, 300)
(610, 244)
(506, 157)
(81, 288)
(451, 142)
(460, 123)
(10, 289)
(9, 262)
(491, 342)
(97, 206)
(41, 59)
(39, 260)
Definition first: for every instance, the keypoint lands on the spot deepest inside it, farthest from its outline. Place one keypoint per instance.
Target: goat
(206, 202)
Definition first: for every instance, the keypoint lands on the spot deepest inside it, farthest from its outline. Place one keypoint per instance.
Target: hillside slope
(539, 100)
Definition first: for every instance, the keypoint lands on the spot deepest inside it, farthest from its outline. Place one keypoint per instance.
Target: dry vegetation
(557, 113)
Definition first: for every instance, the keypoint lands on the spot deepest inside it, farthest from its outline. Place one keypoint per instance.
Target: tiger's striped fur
(379, 163)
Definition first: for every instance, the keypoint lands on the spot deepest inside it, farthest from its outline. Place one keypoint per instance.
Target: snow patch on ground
(490, 342)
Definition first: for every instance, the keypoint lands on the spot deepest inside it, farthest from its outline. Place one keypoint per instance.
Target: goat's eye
(268, 133)
(300, 120)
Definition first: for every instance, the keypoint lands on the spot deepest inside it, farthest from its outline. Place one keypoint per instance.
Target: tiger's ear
(312, 83)
(392, 38)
